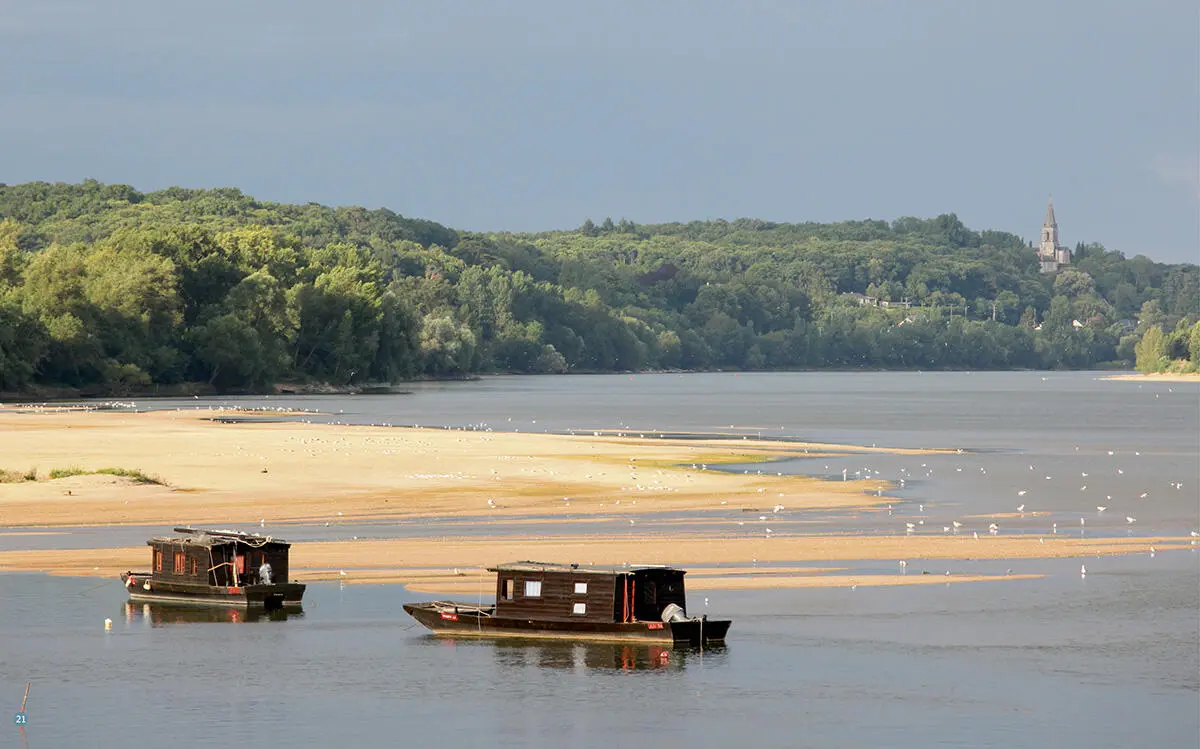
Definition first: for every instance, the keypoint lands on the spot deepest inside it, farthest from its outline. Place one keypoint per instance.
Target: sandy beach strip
(449, 564)
(1163, 377)
(465, 591)
(240, 473)
(222, 474)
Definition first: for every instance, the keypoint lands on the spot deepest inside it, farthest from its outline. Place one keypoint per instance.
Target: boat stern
(699, 631)
(275, 596)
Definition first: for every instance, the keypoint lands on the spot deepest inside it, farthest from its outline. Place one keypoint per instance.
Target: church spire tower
(1049, 246)
(1050, 252)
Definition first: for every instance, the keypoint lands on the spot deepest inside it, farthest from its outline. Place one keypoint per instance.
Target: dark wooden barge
(216, 568)
(542, 600)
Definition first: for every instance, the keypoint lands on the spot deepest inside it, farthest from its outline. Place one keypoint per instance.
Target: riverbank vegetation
(1176, 352)
(107, 289)
(16, 477)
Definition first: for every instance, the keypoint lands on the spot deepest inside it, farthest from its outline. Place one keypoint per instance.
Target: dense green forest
(107, 289)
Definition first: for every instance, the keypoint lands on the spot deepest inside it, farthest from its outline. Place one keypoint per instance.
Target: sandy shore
(1193, 377)
(233, 474)
(457, 565)
(240, 473)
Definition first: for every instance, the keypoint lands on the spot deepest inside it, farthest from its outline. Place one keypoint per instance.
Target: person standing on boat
(264, 572)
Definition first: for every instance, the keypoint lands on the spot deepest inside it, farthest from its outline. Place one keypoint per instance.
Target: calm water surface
(1110, 659)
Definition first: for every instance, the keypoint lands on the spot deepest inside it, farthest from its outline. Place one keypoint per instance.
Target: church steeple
(1050, 252)
(1049, 244)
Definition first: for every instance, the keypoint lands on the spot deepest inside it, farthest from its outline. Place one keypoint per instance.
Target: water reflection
(161, 614)
(584, 656)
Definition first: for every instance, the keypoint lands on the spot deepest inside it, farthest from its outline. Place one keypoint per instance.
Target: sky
(537, 114)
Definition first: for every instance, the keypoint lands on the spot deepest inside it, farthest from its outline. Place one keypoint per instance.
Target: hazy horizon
(537, 116)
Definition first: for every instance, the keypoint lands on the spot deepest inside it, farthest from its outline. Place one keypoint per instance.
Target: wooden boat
(216, 568)
(540, 600)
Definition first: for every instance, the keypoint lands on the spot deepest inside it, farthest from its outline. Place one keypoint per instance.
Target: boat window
(533, 588)
(157, 560)
(580, 608)
(649, 593)
(195, 568)
(180, 559)
(580, 590)
(508, 588)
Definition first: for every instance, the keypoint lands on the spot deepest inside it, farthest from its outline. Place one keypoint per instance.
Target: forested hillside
(107, 289)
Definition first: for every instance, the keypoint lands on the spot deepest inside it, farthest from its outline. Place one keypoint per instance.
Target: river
(1110, 659)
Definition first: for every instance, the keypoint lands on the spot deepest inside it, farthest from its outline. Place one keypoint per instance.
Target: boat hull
(145, 589)
(473, 621)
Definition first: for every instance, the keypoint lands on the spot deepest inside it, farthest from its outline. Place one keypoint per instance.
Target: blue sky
(535, 115)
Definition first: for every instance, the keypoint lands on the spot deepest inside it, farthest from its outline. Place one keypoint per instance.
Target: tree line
(1175, 351)
(107, 289)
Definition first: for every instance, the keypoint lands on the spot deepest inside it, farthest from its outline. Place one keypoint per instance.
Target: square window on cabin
(581, 589)
(533, 588)
(580, 608)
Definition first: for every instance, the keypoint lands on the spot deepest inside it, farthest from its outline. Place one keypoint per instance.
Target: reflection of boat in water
(216, 568)
(161, 614)
(622, 656)
(557, 601)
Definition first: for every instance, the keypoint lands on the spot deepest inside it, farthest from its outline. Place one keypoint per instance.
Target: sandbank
(220, 473)
(240, 473)
(1159, 377)
(449, 564)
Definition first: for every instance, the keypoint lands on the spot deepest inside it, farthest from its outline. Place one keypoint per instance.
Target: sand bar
(1162, 377)
(233, 474)
(449, 564)
(239, 473)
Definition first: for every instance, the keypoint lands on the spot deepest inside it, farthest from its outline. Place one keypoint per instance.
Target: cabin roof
(575, 569)
(203, 537)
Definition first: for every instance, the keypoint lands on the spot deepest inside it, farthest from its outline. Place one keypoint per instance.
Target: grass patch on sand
(16, 477)
(129, 473)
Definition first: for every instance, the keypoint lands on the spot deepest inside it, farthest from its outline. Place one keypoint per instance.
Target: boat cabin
(219, 558)
(561, 592)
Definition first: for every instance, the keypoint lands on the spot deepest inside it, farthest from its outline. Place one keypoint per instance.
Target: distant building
(1052, 255)
(862, 299)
